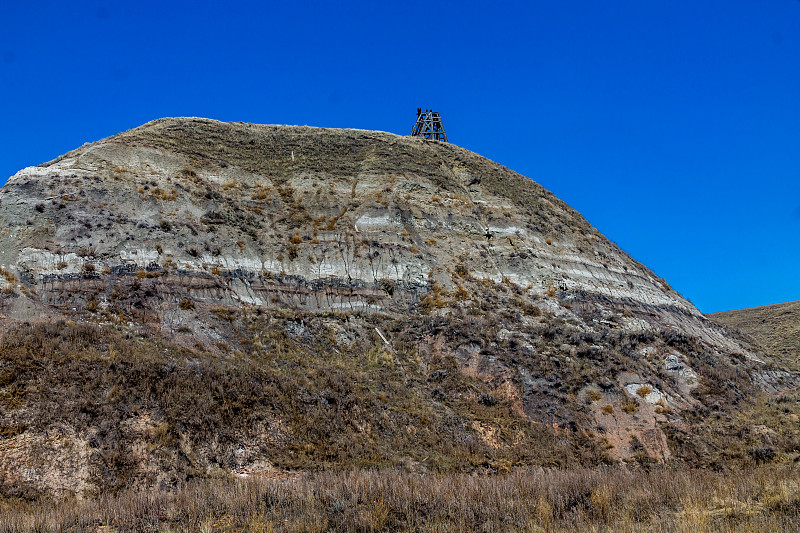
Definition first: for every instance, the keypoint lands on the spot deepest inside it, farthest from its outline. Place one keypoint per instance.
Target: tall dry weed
(601, 499)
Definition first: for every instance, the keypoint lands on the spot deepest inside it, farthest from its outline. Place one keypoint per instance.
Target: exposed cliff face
(193, 230)
(322, 219)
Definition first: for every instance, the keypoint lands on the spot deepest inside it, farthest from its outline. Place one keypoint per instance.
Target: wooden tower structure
(429, 126)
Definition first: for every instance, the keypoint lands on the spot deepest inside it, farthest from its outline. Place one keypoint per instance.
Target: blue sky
(672, 126)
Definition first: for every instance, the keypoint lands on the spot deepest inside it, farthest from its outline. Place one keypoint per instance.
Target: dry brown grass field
(765, 499)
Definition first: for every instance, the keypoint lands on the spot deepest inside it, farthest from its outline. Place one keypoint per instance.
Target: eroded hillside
(315, 298)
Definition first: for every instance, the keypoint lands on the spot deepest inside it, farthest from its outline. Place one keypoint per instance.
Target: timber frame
(429, 126)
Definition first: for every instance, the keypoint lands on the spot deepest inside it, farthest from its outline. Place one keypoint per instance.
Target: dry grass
(630, 406)
(775, 328)
(603, 499)
(307, 407)
(310, 403)
(8, 275)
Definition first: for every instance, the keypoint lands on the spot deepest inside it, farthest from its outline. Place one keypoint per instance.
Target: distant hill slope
(774, 328)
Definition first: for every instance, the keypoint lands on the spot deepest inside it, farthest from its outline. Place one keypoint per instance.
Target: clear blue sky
(672, 126)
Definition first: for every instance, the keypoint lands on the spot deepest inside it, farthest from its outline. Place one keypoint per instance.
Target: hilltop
(191, 298)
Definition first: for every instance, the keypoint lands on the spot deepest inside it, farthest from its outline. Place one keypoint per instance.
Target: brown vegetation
(606, 499)
(294, 401)
(774, 328)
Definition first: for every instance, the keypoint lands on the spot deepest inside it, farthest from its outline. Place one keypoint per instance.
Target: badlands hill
(775, 329)
(191, 298)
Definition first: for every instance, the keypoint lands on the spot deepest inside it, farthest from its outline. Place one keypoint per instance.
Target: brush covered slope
(775, 329)
(191, 298)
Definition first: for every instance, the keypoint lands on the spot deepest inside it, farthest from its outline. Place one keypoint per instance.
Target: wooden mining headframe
(429, 126)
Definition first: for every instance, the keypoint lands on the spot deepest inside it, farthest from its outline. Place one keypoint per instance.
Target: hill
(191, 298)
(775, 329)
